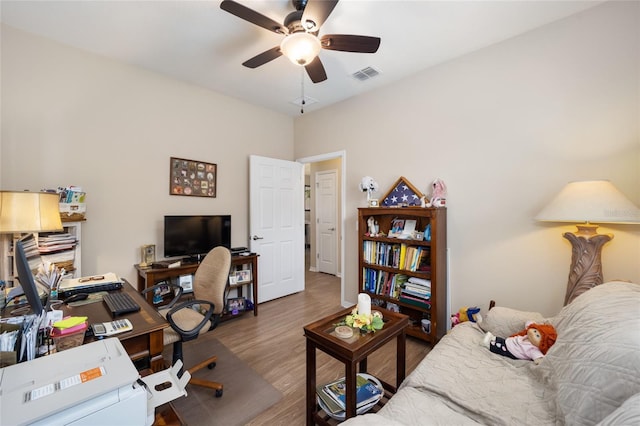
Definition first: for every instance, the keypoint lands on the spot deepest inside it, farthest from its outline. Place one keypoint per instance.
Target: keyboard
(120, 303)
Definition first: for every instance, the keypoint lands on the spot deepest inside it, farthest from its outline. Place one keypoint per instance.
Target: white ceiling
(197, 42)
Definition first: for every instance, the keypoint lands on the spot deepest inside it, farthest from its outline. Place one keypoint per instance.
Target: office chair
(209, 290)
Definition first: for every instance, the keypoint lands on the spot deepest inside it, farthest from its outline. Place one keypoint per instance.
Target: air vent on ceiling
(307, 101)
(365, 73)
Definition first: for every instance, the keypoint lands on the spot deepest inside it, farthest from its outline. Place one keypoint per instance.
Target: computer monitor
(25, 264)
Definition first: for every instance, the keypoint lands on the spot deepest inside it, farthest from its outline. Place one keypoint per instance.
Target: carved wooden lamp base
(586, 259)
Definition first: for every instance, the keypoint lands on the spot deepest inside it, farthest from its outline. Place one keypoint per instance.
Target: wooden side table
(353, 352)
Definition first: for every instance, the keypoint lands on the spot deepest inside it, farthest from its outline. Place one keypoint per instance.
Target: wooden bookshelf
(387, 263)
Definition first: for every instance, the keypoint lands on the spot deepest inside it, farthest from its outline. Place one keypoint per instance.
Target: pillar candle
(364, 304)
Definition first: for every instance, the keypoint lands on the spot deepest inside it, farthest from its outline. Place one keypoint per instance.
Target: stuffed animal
(438, 194)
(368, 185)
(532, 343)
(466, 314)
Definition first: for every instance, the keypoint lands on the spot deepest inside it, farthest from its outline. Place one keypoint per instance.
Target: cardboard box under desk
(9, 357)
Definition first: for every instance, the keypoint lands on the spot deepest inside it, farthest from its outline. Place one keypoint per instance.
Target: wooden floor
(273, 344)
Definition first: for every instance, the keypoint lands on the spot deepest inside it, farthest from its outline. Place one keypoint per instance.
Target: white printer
(93, 384)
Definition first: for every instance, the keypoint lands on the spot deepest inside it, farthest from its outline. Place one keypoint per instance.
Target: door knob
(332, 229)
(255, 237)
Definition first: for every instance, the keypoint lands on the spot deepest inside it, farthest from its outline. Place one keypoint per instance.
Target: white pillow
(504, 322)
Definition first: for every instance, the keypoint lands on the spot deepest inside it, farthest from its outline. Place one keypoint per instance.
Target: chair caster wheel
(218, 393)
(211, 366)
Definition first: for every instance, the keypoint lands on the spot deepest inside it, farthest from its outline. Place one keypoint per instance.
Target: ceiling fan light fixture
(301, 48)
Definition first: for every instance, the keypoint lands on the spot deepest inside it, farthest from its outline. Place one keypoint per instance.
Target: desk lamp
(23, 212)
(583, 203)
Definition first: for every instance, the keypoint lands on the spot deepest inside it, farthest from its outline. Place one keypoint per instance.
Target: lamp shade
(29, 212)
(597, 201)
(301, 48)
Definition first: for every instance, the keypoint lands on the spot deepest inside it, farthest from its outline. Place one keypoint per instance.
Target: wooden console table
(148, 277)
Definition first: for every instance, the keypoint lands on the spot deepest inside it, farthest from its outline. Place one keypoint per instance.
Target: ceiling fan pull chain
(302, 102)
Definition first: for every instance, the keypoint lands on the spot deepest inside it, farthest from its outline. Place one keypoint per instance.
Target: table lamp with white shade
(586, 203)
(25, 212)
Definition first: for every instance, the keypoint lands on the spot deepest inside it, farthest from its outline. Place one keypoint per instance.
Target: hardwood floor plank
(273, 344)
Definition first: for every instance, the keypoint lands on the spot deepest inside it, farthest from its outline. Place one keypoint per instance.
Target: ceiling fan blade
(252, 16)
(316, 71)
(350, 43)
(263, 58)
(317, 11)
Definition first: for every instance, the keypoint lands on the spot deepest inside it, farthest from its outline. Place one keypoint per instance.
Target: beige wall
(506, 128)
(72, 118)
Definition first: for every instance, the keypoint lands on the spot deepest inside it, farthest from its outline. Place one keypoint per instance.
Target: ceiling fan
(300, 28)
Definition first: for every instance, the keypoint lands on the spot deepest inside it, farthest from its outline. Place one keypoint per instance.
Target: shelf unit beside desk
(147, 277)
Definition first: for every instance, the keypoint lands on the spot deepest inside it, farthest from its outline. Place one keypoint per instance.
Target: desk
(147, 277)
(145, 342)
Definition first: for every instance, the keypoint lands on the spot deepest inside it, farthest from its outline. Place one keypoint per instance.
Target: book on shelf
(366, 391)
(418, 294)
(415, 301)
(382, 282)
(420, 281)
(417, 288)
(329, 402)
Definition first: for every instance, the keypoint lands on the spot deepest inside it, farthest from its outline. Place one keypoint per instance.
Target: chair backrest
(211, 277)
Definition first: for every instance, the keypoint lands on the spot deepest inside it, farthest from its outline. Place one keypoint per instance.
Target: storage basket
(68, 338)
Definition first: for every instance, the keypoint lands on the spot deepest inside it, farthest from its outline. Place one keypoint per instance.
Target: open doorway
(324, 175)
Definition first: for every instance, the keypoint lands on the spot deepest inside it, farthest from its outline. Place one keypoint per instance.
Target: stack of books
(333, 395)
(58, 249)
(416, 292)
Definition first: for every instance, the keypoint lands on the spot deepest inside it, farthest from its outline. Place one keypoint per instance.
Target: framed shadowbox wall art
(192, 178)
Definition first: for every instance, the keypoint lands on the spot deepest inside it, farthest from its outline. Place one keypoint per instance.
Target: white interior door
(326, 222)
(276, 225)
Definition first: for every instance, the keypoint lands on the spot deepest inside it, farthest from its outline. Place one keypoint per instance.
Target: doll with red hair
(532, 343)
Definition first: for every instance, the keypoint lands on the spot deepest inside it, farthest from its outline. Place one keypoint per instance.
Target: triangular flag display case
(402, 193)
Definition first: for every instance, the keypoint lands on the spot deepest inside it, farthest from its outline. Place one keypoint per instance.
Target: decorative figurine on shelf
(373, 226)
(532, 343)
(369, 185)
(439, 194)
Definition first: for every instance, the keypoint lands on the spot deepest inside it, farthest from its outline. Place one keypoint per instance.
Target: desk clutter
(90, 284)
(19, 339)
(25, 336)
(68, 332)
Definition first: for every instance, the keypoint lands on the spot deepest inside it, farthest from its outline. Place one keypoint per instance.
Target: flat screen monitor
(195, 235)
(27, 261)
